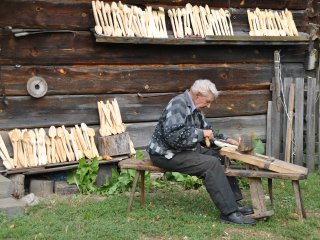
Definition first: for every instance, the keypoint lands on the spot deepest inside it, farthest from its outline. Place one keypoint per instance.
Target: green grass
(169, 213)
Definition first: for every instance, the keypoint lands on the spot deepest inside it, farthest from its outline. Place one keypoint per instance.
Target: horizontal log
(81, 48)
(78, 15)
(103, 79)
(131, 79)
(69, 110)
(140, 133)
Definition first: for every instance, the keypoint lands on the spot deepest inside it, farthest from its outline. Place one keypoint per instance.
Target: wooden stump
(18, 185)
(114, 145)
(63, 188)
(41, 188)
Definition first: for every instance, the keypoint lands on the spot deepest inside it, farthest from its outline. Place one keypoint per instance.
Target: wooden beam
(80, 48)
(264, 162)
(69, 110)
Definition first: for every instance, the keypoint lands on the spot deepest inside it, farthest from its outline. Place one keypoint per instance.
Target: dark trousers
(223, 191)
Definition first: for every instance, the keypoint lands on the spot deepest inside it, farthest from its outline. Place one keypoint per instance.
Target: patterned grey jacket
(179, 128)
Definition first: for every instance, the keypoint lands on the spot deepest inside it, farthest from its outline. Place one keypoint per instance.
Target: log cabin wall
(79, 71)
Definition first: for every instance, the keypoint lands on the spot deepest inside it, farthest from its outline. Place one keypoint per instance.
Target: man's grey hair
(204, 86)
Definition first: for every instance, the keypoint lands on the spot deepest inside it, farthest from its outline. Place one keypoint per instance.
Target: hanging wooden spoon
(84, 128)
(28, 148)
(74, 146)
(42, 136)
(91, 134)
(48, 149)
(32, 137)
(52, 135)
(62, 144)
(67, 138)
(14, 137)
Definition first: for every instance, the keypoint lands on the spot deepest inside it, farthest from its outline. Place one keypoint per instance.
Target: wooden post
(276, 129)
(310, 145)
(269, 130)
(298, 123)
(18, 185)
(284, 115)
(287, 154)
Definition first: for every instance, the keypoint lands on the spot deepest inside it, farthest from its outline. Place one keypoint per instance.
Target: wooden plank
(310, 141)
(80, 48)
(263, 174)
(286, 86)
(102, 79)
(298, 123)
(137, 78)
(140, 133)
(270, 4)
(287, 154)
(276, 129)
(239, 38)
(271, 164)
(74, 14)
(269, 130)
(69, 110)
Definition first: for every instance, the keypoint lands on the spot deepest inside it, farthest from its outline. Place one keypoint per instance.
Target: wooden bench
(140, 166)
(255, 182)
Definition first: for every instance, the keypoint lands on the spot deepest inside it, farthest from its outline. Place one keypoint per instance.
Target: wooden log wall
(79, 72)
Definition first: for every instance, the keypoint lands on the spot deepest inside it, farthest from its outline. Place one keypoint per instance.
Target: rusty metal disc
(37, 87)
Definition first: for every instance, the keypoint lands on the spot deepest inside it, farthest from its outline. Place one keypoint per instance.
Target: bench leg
(299, 203)
(142, 187)
(134, 188)
(270, 191)
(258, 199)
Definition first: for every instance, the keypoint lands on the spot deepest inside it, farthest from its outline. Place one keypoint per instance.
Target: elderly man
(176, 146)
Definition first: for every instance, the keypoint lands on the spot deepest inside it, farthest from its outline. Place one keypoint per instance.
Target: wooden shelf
(56, 167)
(238, 39)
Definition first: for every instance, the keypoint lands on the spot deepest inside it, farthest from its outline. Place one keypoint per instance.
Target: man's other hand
(208, 133)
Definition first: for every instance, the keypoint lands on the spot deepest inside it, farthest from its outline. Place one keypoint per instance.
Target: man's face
(202, 102)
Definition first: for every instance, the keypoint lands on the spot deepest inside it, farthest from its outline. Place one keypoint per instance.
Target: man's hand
(208, 133)
(232, 141)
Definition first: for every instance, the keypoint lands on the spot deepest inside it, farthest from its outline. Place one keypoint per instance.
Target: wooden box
(114, 145)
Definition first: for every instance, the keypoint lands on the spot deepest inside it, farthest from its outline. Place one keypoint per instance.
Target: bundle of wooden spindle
(200, 21)
(110, 118)
(117, 19)
(271, 23)
(35, 148)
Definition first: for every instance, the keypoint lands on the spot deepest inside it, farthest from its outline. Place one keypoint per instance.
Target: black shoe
(237, 218)
(244, 209)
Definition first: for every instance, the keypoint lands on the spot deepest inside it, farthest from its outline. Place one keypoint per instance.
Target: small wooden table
(257, 193)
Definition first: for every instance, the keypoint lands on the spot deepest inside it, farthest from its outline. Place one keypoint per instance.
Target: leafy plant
(259, 146)
(187, 181)
(85, 176)
(118, 183)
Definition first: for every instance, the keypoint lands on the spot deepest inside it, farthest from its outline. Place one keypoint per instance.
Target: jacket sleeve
(178, 134)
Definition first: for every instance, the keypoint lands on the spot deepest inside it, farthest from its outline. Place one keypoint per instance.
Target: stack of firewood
(110, 118)
(271, 23)
(117, 19)
(200, 21)
(35, 148)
